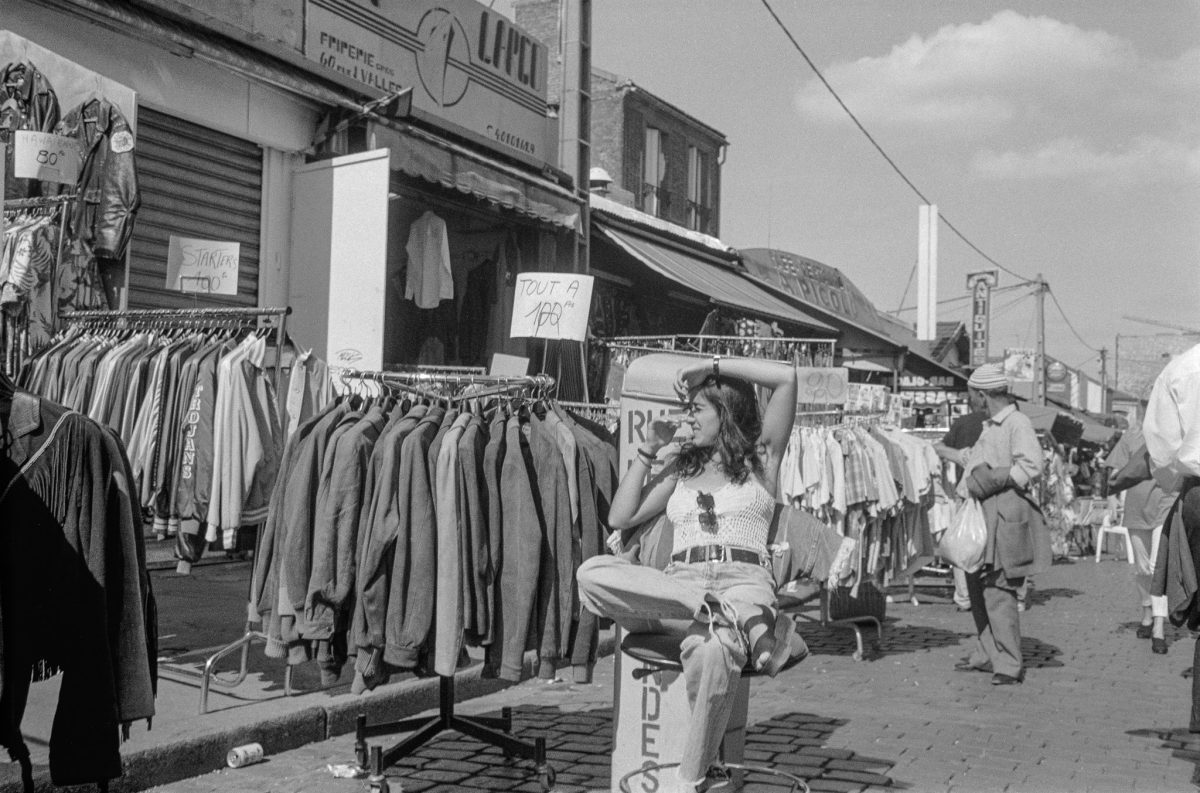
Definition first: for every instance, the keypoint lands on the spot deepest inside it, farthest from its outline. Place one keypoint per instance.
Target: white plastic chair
(1108, 526)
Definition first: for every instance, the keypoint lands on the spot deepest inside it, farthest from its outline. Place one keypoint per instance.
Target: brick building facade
(663, 161)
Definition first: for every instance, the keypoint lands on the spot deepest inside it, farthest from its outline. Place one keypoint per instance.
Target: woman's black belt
(717, 553)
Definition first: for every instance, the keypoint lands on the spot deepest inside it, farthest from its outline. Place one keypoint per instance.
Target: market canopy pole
(1039, 369)
(1104, 380)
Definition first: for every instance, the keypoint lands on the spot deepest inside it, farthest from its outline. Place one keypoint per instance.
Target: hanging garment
(27, 102)
(73, 587)
(430, 279)
(108, 183)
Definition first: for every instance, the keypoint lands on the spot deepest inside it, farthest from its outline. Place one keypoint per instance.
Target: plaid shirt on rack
(860, 480)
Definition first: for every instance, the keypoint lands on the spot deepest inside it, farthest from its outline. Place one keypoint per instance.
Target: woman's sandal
(789, 646)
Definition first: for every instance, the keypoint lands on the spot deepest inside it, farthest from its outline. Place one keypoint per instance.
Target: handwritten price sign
(207, 266)
(551, 306)
(49, 158)
(822, 385)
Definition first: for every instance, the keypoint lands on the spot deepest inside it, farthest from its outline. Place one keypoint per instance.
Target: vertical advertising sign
(980, 285)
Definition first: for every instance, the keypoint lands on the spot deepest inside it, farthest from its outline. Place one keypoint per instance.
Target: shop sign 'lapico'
(468, 66)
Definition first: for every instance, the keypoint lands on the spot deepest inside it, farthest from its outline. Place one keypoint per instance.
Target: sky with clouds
(1059, 137)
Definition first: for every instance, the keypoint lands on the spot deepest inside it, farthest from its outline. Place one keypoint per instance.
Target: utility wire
(911, 273)
(1062, 313)
(1002, 309)
(879, 148)
(961, 297)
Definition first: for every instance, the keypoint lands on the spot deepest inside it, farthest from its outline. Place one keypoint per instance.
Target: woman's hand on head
(689, 377)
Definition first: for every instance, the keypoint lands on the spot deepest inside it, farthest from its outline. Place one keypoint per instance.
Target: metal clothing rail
(172, 313)
(22, 204)
(780, 348)
(495, 384)
(191, 318)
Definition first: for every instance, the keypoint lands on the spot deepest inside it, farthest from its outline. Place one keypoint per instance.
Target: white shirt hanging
(430, 279)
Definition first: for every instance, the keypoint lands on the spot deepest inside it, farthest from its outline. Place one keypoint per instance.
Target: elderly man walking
(1001, 468)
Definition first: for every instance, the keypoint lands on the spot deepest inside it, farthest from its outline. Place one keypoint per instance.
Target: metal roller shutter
(195, 183)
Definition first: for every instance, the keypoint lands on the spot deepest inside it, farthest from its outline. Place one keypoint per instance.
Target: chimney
(927, 267)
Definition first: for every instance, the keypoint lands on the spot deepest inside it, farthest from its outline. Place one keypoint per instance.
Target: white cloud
(971, 80)
(1145, 159)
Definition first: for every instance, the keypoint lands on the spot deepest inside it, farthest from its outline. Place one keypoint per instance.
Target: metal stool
(660, 653)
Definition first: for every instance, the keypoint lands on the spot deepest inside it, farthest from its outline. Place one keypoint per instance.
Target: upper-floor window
(654, 171)
(699, 186)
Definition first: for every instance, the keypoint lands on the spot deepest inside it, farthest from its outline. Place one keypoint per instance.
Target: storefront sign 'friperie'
(467, 65)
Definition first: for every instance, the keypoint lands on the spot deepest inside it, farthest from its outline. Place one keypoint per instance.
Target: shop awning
(831, 296)
(194, 42)
(723, 286)
(1042, 418)
(426, 156)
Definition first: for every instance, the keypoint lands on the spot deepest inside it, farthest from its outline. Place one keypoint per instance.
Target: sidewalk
(1098, 712)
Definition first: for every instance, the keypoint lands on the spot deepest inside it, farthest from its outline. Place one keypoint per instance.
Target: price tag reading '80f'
(46, 157)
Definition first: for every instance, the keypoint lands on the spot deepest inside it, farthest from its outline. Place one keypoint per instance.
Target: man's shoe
(1158, 646)
(966, 666)
(962, 608)
(1144, 631)
(1001, 679)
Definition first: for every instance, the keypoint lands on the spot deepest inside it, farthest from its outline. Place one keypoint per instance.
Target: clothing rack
(494, 731)
(152, 318)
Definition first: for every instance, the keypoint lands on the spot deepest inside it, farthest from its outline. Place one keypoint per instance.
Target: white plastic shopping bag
(963, 544)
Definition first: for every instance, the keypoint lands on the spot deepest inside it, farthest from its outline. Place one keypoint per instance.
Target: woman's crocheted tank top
(743, 516)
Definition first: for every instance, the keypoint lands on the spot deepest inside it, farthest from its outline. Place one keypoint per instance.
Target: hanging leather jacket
(27, 102)
(108, 181)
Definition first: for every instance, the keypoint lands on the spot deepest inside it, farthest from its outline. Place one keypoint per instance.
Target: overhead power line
(878, 147)
(1001, 290)
(911, 273)
(1063, 314)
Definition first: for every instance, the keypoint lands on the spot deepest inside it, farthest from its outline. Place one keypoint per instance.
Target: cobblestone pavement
(1098, 712)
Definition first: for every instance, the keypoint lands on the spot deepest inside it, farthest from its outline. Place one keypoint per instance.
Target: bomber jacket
(108, 178)
(335, 530)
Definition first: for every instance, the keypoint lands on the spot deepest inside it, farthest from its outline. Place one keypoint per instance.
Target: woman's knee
(594, 571)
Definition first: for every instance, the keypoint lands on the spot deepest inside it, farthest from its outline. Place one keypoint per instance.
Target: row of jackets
(397, 532)
(196, 412)
(74, 592)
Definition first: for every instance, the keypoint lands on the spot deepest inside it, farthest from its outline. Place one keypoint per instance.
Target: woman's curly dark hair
(737, 441)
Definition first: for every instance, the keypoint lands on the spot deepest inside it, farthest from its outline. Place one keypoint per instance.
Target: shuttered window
(195, 182)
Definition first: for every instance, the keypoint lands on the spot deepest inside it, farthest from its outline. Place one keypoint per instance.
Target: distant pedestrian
(1146, 509)
(963, 433)
(1000, 469)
